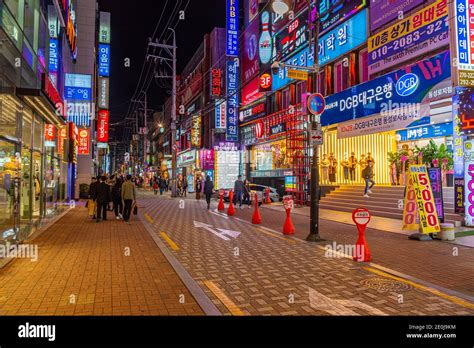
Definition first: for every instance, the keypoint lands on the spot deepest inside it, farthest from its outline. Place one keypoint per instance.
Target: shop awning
(40, 103)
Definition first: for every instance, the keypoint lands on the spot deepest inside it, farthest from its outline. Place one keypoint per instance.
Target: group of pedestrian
(161, 184)
(242, 192)
(120, 192)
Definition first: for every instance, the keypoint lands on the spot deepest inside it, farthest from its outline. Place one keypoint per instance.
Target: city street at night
(236, 172)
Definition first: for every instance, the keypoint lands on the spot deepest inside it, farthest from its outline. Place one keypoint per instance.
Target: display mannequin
(332, 168)
(325, 168)
(363, 164)
(345, 166)
(393, 173)
(352, 166)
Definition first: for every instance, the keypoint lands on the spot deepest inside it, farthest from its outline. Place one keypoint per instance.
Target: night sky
(133, 22)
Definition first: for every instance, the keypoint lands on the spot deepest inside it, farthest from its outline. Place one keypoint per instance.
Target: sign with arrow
(316, 137)
(219, 232)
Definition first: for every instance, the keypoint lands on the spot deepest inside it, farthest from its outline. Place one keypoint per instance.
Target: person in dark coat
(102, 197)
(208, 188)
(247, 191)
(92, 190)
(238, 190)
(117, 199)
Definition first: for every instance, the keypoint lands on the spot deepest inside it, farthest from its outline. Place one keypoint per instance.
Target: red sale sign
(103, 126)
(49, 132)
(83, 147)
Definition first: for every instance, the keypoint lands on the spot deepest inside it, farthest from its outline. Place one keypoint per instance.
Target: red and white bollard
(288, 227)
(256, 218)
(361, 218)
(221, 206)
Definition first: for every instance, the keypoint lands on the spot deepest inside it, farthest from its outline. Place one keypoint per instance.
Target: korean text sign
(232, 27)
(415, 35)
(427, 213)
(83, 147)
(233, 101)
(104, 60)
(384, 11)
(103, 126)
(304, 58)
(409, 85)
(410, 208)
(343, 38)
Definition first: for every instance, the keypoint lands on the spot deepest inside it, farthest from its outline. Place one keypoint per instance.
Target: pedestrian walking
(128, 193)
(247, 191)
(198, 187)
(161, 185)
(117, 199)
(92, 202)
(102, 196)
(185, 186)
(368, 174)
(208, 188)
(238, 190)
(155, 187)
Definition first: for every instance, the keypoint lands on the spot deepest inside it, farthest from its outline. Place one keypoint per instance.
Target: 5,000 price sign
(424, 199)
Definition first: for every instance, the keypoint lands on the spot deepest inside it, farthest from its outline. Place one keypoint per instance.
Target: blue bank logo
(407, 84)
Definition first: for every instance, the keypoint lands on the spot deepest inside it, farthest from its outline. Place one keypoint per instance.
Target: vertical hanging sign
(232, 28)
(232, 101)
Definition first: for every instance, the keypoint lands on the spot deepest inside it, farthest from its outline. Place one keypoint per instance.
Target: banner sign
(83, 147)
(278, 129)
(343, 38)
(436, 181)
(232, 101)
(221, 114)
(393, 94)
(425, 132)
(333, 12)
(196, 131)
(424, 199)
(469, 182)
(53, 62)
(304, 58)
(49, 132)
(232, 26)
(458, 157)
(104, 27)
(410, 210)
(104, 60)
(103, 126)
(384, 11)
(62, 135)
(413, 36)
(463, 41)
(251, 92)
(216, 79)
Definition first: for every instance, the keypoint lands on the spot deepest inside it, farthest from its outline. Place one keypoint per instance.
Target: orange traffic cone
(231, 210)
(267, 196)
(256, 219)
(221, 206)
(288, 227)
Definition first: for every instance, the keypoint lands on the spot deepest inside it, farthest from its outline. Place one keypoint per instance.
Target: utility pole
(171, 50)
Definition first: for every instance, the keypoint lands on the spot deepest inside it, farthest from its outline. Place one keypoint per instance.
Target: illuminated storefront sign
(206, 159)
(104, 27)
(458, 160)
(221, 114)
(265, 82)
(251, 92)
(384, 11)
(49, 135)
(69, 16)
(250, 52)
(186, 158)
(104, 60)
(469, 182)
(343, 38)
(78, 96)
(226, 167)
(103, 92)
(51, 92)
(233, 101)
(196, 131)
(425, 132)
(265, 42)
(83, 147)
(396, 94)
(53, 62)
(252, 112)
(232, 26)
(277, 129)
(216, 82)
(103, 126)
(293, 37)
(464, 42)
(332, 12)
(62, 135)
(305, 58)
(413, 36)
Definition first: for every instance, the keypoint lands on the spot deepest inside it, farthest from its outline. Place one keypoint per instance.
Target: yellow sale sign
(410, 208)
(429, 220)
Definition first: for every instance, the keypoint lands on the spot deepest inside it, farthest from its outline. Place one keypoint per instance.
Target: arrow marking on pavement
(222, 234)
(323, 303)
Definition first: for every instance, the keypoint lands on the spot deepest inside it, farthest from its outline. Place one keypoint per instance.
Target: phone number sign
(427, 213)
(422, 32)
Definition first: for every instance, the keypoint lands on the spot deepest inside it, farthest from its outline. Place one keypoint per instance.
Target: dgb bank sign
(409, 85)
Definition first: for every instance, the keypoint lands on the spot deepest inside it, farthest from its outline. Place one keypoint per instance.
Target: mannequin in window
(345, 166)
(352, 166)
(325, 168)
(332, 168)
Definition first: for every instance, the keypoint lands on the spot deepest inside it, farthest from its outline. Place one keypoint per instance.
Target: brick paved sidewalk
(83, 269)
(434, 261)
(247, 270)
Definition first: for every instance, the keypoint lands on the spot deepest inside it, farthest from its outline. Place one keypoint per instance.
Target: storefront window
(50, 183)
(27, 122)
(37, 178)
(8, 116)
(8, 172)
(38, 131)
(26, 194)
(271, 156)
